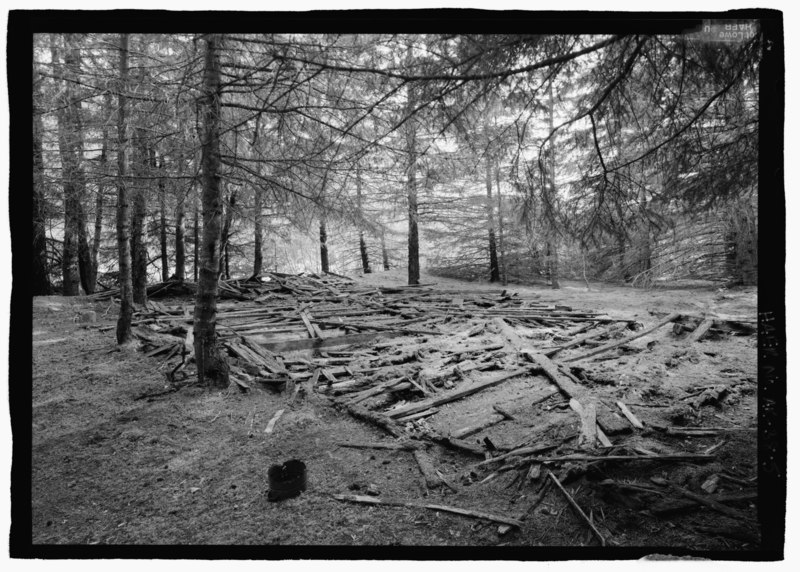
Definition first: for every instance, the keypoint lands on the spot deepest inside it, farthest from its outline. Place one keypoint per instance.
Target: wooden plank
(700, 331)
(313, 330)
(602, 349)
(629, 415)
(584, 339)
(457, 394)
(442, 508)
(550, 368)
(316, 343)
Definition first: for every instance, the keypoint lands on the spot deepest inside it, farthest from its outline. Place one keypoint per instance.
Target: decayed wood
(677, 457)
(381, 421)
(602, 349)
(550, 368)
(457, 394)
(396, 446)
(590, 433)
(705, 500)
(428, 413)
(315, 343)
(313, 330)
(425, 464)
(629, 415)
(442, 508)
(577, 509)
(700, 331)
(584, 339)
(471, 430)
(271, 425)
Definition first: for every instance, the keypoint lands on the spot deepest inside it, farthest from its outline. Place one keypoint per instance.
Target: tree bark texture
(124, 335)
(180, 227)
(212, 368)
(323, 246)
(411, 190)
(258, 257)
(141, 162)
(362, 244)
(162, 206)
(40, 281)
(494, 266)
(69, 148)
(384, 251)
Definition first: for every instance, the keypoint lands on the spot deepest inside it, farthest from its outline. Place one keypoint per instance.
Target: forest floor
(190, 467)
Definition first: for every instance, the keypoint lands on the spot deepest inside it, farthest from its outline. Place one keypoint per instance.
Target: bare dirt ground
(190, 467)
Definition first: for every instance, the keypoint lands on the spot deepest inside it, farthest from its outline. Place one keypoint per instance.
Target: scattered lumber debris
(409, 360)
(442, 508)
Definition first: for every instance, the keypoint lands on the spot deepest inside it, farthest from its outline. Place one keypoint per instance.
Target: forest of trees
(496, 157)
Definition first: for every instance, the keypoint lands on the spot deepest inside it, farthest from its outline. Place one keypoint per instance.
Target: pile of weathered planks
(395, 357)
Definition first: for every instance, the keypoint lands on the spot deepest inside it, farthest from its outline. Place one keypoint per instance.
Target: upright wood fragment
(271, 425)
(589, 430)
(700, 331)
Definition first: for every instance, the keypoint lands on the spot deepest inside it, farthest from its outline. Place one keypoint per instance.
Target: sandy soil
(190, 467)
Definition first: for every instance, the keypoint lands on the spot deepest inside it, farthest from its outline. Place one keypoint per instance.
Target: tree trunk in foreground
(411, 188)
(124, 335)
(212, 368)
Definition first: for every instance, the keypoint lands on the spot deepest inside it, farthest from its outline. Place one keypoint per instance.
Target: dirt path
(110, 467)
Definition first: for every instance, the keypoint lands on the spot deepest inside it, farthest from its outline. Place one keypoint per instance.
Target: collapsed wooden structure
(435, 368)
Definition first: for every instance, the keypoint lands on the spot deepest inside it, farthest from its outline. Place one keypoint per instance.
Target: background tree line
(499, 157)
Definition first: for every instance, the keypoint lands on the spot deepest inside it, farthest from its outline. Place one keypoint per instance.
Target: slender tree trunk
(40, 285)
(323, 246)
(384, 251)
(70, 173)
(196, 240)
(212, 368)
(98, 207)
(162, 204)
(552, 247)
(494, 267)
(411, 190)
(124, 335)
(501, 235)
(258, 257)
(138, 231)
(362, 244)
(226, 233)
(180, 228)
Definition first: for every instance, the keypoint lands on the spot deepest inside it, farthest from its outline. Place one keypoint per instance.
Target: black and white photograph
(399, 285)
